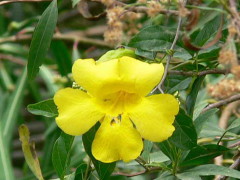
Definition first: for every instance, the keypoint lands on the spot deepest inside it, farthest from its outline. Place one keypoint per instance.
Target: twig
(223, 122)
(222, 102)
(201, 73)
(58, 36)
(170, 55)
(12, 59)
(15, 1)
(152, 169)
(130, 175)
(143, 9)
(234, 145)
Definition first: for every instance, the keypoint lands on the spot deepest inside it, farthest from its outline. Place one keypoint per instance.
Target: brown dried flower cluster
(225, 88)
(183, 12)
(235, 70)
(154, 7)
(227, 56)
(124, 21)
(114, 33)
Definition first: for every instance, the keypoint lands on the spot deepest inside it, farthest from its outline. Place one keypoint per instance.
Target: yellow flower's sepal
(116, 54)
(117, 140)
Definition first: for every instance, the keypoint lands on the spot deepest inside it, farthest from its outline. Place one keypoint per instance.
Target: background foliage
(198, 41)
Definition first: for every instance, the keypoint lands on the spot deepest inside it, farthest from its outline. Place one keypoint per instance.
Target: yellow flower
(117, 97)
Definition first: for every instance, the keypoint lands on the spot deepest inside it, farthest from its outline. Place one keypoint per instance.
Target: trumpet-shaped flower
(117, 96)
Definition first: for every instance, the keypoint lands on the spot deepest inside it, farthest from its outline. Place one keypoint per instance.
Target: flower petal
(124, 74)
(145, 76)
(117, 141)
(154, 116)
(97, 78)
(77, 112)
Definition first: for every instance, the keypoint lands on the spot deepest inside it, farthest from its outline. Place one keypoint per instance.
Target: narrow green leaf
(203, 118)
(13, 107)
(45, 108)
(41, 40)
(185, 136)
(208, 170)
(203, 154)
(191, 98)
(75, 2)
(29, 152)
(61, 154)
(62, 57)
(6, 168)
(104, 170)
(5, 78)
(48, 78)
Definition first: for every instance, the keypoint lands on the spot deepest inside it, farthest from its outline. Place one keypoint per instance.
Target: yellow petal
(154, 116)
(97, 79)
(143, 75)
(124, 74)
(77, 112)
(116, 141)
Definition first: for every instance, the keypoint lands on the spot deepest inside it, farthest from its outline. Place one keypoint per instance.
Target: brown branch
(12, 59)
(201, 73)
(144, 9)
(58, 36)
(159, 86)
(234, 145)
(15, 1)
(130, 175)
(222, 102)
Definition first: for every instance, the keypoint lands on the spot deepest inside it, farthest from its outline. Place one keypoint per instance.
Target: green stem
(87, 170)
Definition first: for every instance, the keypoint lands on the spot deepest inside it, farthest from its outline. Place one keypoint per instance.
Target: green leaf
(61, 154)
(29, 152)
(13, 106)
(104, 170)
(191, 98)
(62, 57)
(6, 168)
(234, 124)
(45, 108)
(208, 31)
(203, 154)
(175, 83)
(184, 136)
(208, 170)
(158, 39)
(147, 149)
(41, 39)
(153, 38)
(80, 171)
(168, 148)
(147, 54)
(203, 118)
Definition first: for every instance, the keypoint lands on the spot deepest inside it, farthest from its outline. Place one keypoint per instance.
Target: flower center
(118, 102)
